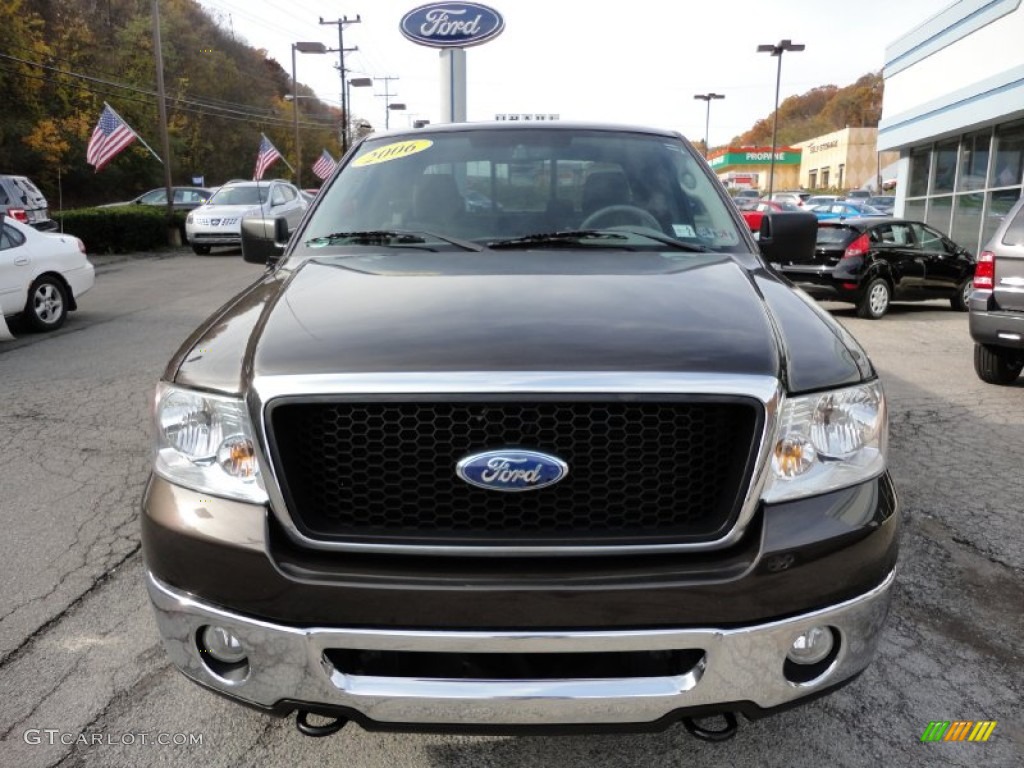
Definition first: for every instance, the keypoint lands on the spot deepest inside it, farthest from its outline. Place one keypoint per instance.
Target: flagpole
(141, 140)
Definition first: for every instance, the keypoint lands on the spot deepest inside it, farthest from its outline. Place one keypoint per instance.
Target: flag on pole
(268, 154)
(110, 136)
(324, 166)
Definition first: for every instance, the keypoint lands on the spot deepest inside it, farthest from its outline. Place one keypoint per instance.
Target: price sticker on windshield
(391, 152)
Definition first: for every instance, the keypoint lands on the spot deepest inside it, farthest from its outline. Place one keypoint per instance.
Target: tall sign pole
(452, 27)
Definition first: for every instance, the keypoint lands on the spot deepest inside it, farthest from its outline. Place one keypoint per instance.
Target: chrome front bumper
(739, 665)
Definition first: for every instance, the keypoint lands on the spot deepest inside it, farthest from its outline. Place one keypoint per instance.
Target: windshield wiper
(567, 237)
(602, 236)
(389, 237)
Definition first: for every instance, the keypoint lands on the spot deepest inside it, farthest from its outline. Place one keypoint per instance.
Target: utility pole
(387, 98)
(162, 109)
(342, 50)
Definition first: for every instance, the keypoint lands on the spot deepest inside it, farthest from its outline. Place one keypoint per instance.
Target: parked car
(185, 198)
(218, 221)
(755, 213)
(798, 198)
(997, 304)
(858, 194)
(844, 209)
(20, 199)
(584, 461)
(871, 262)
(745, 198)
(884, 203)
(816, 200)
(42, 274)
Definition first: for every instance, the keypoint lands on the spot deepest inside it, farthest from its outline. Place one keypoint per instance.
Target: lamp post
(708, 97)
(777, 50)
(301, 48)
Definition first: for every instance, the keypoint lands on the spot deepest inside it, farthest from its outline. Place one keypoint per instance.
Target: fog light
(221, 644)
(811, 646)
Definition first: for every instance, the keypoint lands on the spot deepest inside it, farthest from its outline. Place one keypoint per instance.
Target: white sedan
(219, 221)
(42, 274)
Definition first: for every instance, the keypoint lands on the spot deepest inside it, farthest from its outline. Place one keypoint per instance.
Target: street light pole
(777, 50)
(708, 97)
(302, 48)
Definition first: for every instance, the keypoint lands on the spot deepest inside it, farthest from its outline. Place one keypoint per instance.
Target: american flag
(110, 136)
(324, 165)
(268, 154)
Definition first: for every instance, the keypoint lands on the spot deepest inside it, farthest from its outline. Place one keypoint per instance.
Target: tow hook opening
(306, 728)
(721, 734)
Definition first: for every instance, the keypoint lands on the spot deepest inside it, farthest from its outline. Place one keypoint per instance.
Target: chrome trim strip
(740, 664)
(766, 389)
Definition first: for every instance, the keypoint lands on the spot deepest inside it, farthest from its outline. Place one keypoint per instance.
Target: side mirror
(788, 237)
(263, 239)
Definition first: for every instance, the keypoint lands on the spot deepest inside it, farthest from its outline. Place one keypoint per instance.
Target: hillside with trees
(821, 110)
(61, 59)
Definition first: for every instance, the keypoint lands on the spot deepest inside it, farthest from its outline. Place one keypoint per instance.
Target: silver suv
(997, 303)
(21, 199)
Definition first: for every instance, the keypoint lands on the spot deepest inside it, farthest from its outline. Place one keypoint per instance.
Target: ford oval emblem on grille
(511, 470)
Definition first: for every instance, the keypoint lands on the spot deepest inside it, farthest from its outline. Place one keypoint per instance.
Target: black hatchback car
(872, 262)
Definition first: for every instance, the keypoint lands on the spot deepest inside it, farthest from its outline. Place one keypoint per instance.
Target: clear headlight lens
(205, 442)
(827, 441)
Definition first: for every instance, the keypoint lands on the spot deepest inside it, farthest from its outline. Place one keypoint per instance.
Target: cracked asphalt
(85, 682)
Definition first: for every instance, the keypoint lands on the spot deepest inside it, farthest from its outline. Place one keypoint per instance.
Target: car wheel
(996, 365)
(875, 301)
(961, 301)
(201, 250)
(47, 305)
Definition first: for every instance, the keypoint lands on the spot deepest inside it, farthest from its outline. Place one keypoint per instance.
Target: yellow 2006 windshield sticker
(393, 152)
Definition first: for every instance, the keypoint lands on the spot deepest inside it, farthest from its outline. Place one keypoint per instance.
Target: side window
(10, 238)
(928, 239)
(901, 235)
(277, 198)
(290, 193)
(156, 197)
(1015, 232)
(882, 235)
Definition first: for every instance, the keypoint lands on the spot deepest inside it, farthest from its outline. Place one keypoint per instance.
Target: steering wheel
(630, 212)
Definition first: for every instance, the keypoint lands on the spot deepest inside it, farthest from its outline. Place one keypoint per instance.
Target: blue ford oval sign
(452, 25)
(511, 470)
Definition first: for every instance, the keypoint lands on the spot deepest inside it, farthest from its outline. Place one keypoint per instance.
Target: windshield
(240, 195)
(495, 185)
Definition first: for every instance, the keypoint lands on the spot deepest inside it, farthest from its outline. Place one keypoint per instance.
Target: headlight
(828, 441)
(205, 442)
(188, 219)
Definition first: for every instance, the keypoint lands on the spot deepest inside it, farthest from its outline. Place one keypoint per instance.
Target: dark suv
(21, 199)
(997, 304)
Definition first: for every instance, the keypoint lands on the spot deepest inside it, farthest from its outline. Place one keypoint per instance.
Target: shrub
(124, 229)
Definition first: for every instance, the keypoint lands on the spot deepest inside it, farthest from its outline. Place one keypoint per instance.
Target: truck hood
(555, 310)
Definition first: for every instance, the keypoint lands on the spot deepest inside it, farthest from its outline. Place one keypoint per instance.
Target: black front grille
(655, 471)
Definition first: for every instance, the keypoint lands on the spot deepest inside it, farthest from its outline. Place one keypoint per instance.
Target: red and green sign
(745, 156)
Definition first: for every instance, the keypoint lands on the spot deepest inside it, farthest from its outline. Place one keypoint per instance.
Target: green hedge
(125, 229)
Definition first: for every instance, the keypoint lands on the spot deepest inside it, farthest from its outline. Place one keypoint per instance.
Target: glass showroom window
(945, 167)
(974, 162)
(967, 218)
(939, 210)
(1008, 168)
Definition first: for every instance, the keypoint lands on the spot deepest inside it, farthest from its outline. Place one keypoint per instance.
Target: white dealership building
(954, 109)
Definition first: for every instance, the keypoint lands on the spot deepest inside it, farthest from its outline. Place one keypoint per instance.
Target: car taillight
(81, 246)
(858, 247)
(19, 214)
(985, 271)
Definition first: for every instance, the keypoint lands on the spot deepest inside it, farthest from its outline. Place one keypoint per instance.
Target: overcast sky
(637, 62)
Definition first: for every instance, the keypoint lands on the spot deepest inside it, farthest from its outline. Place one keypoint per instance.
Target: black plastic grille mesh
(638, 471)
